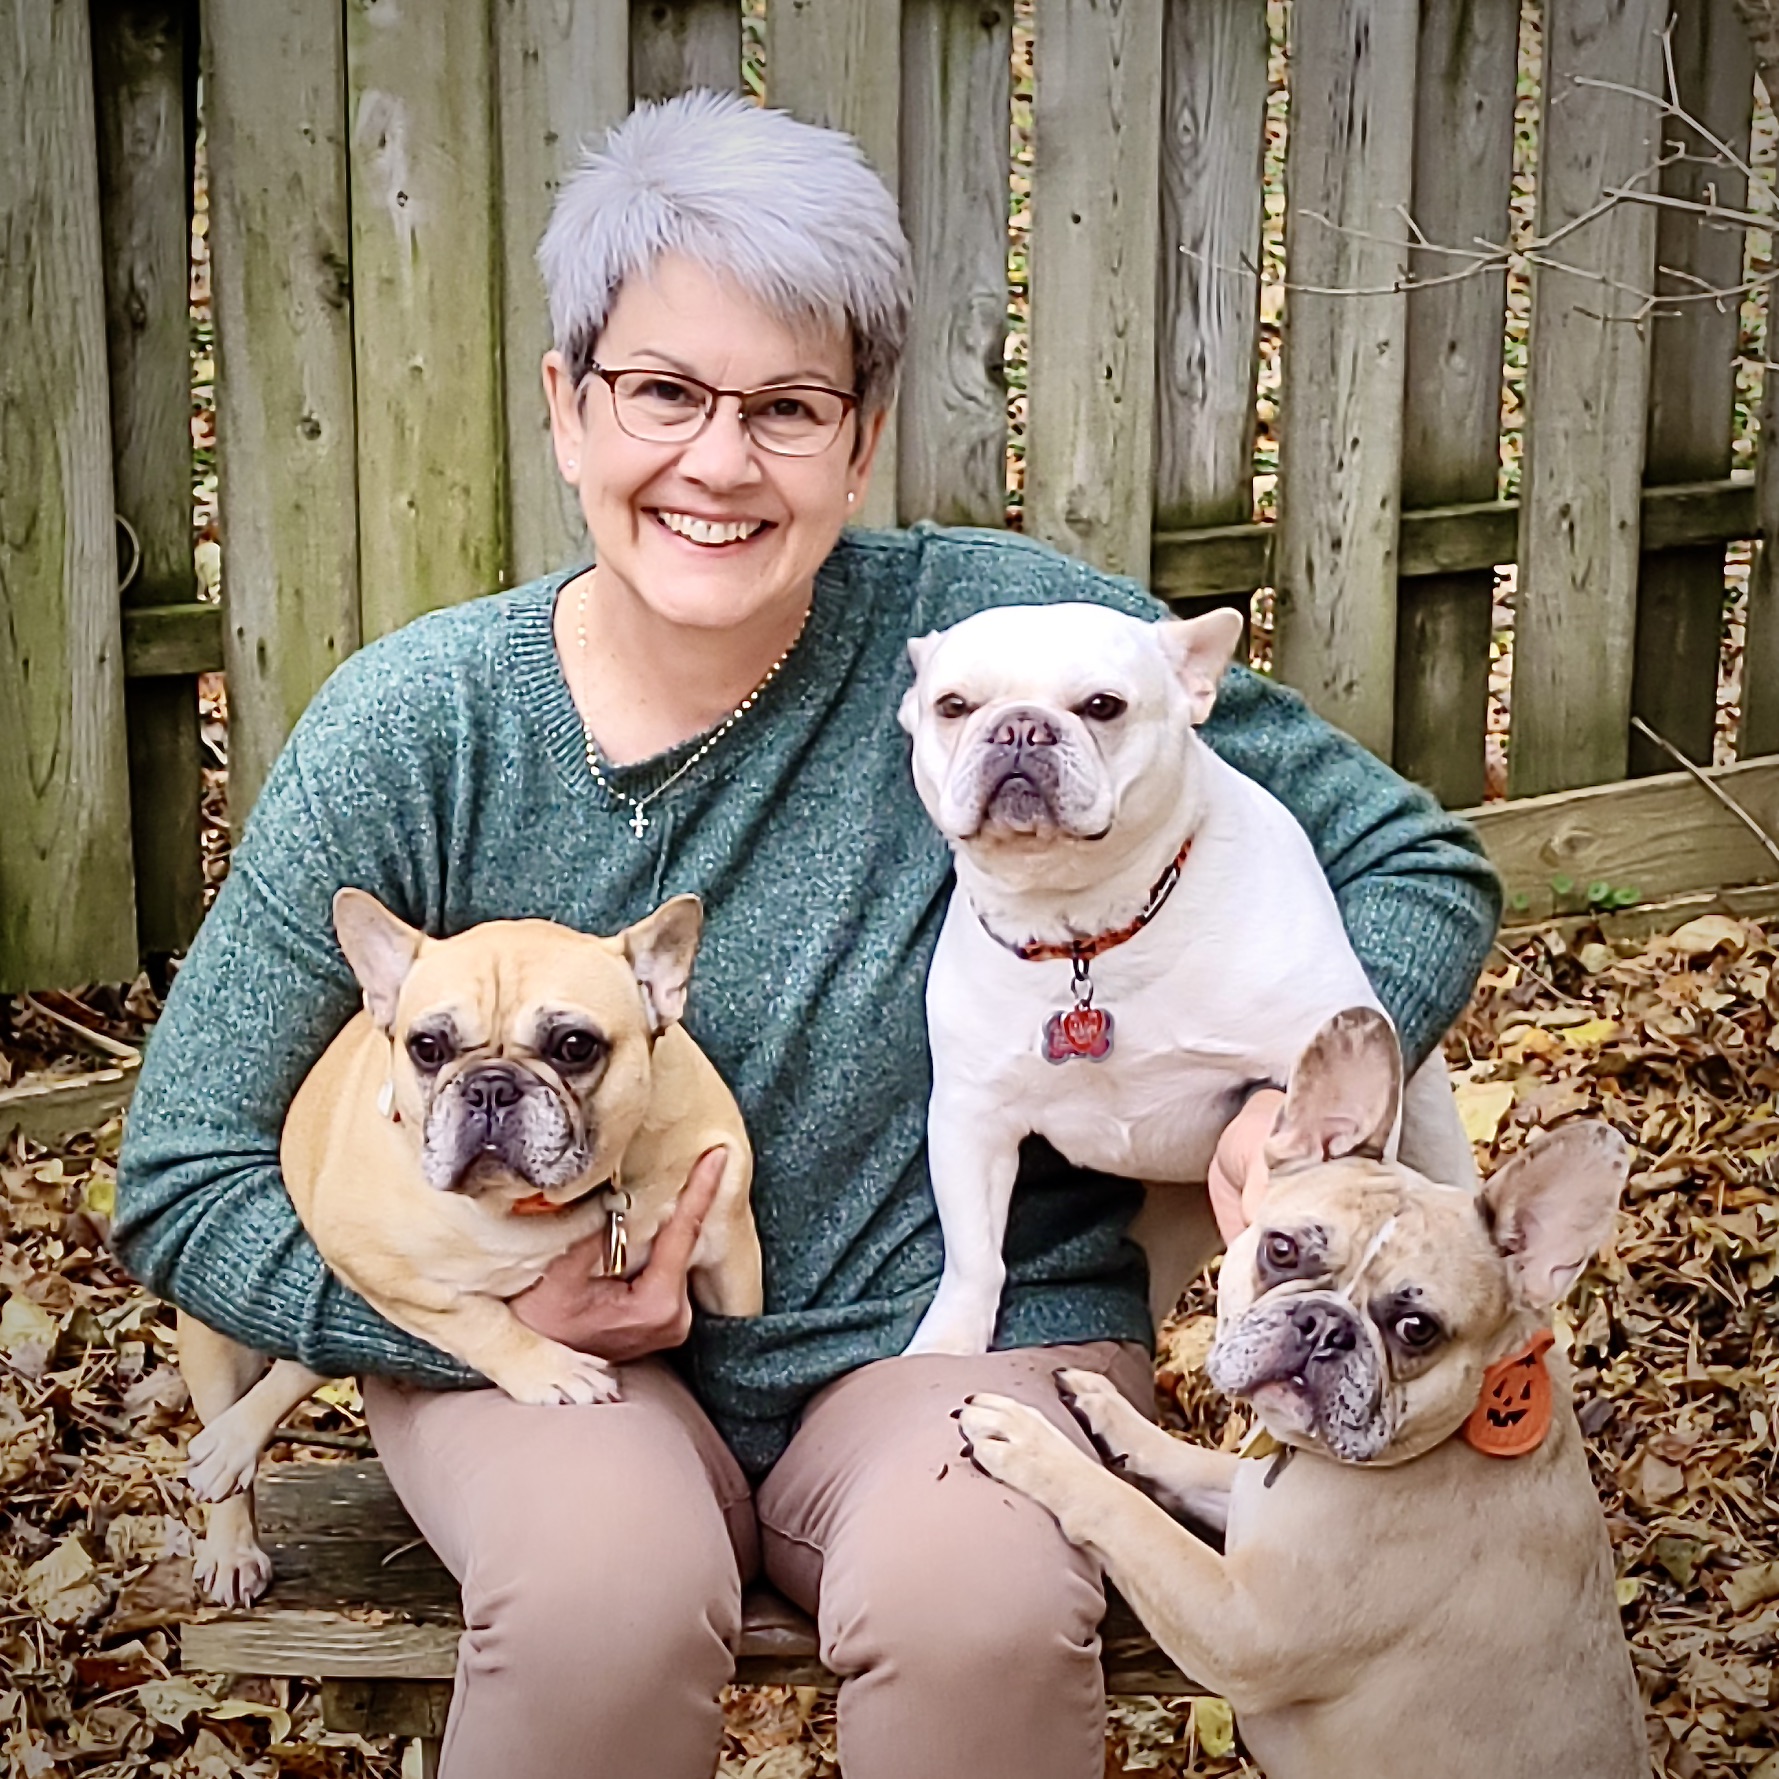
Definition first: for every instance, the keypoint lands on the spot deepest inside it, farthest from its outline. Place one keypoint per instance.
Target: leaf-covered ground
(1676, 1334)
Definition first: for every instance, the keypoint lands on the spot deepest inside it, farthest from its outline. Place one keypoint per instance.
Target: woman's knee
(586, 1592)
(963, 1600)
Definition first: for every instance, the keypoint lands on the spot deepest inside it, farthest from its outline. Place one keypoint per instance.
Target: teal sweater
(442, 769)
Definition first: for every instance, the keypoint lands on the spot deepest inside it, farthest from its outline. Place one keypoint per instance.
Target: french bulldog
(504, 1094)
(1418, 1579)
(1139, 935)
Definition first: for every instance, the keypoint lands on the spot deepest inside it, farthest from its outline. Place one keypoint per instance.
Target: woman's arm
(203, 1216)
(1419, 899)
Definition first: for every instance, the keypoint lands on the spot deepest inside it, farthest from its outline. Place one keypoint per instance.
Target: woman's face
(640, 499)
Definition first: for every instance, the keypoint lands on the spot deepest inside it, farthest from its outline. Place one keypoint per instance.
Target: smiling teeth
(709, 531)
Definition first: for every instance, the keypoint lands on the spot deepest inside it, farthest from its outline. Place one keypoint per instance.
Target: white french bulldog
(1139, 935)
(1417, 1580)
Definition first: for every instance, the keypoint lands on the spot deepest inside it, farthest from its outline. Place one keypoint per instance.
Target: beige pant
(602, 1552)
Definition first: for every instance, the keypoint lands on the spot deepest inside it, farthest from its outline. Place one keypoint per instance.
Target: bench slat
(358, 1596)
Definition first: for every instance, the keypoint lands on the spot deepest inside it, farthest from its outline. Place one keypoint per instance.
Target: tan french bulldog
(1417, 1580)
(505, 1094)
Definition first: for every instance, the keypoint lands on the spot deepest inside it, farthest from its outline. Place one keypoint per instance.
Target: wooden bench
(360, 1602)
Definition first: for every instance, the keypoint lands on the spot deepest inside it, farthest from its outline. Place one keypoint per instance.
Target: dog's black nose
(1326, 1330)
(1024, 728)
(495, 1087)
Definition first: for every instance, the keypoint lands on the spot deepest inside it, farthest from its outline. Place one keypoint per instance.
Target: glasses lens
(652, 405)
(794, 421)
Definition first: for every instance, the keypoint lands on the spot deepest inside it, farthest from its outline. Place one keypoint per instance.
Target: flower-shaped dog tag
(1081, 1031)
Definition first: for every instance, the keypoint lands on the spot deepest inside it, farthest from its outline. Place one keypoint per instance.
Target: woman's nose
(722, 455)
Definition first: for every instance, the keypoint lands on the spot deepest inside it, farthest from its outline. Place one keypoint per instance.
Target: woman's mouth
(708, 534)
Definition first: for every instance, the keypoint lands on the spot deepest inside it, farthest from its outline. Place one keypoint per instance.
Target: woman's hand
(620, 1319)
(1238, 1178)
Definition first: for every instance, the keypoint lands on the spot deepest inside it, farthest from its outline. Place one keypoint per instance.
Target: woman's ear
(567, 429)
(865, 453)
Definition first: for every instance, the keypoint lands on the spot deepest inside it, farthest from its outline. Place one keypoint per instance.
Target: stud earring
(850, 497)
(573, 465)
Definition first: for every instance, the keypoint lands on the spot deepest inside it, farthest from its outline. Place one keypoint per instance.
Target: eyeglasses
(665, 408)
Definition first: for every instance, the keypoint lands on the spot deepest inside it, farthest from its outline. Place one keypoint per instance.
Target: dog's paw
(953, 1326)
(221, 1462)
(1114, 1423)
(229, 1567)
(1017, 1446)
(557, 1376)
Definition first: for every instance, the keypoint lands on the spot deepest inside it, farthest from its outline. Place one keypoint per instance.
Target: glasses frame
(609, 376)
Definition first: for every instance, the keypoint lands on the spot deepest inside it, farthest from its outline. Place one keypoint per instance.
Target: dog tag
(1513, 1414)
(1081, 1031)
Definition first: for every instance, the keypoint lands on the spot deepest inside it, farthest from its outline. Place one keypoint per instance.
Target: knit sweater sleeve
(1419, 898)
(203, 1216)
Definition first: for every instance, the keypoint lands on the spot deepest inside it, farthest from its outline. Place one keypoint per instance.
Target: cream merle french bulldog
(1418, 1581)
(504, 1094)
(1139, 934)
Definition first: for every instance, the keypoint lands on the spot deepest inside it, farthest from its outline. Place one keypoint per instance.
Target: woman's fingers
(678, 1236)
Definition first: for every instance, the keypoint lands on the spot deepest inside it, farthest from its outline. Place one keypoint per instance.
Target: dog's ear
(1550, 1208)
(380, 948)
(1198, 650)
(660, 948)
(920, 651)
(1344, 1093)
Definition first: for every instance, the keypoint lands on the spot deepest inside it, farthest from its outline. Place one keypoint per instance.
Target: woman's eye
(951, 707)
(1280, 1251)
(428, 1051)
(1102, 707)
(788, 407)
(1415, 1331)
(666, 391)
(576, 1050)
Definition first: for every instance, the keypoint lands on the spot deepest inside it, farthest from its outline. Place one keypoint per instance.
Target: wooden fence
(379, 175)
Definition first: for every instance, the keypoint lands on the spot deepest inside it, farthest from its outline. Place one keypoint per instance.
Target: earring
(573, 465)
(850, 497)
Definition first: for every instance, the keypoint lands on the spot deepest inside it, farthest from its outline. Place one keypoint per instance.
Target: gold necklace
(639, 821)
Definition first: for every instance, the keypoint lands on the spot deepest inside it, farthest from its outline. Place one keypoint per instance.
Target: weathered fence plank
(1661, 836)
(563, 80)
(66, 907)
(140, 54)
(1692, 380)
(1759, 732)
(1348, 185)
(1575, 620)
(838, 62)
(425, 307)
(956, 76)
(275, 82)
(676, 44)
(1451, 427)
(1207, 324)
(1090, 434)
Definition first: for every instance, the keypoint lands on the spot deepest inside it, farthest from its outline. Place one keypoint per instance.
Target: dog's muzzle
(1317, 1345)
(1019, 766)
(497, 1118)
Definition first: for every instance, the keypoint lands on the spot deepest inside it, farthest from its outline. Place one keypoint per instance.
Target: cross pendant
(638, 822)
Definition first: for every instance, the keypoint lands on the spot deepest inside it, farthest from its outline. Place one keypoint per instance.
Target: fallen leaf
(1704, 934)
(64, 1586)
(1482, 1105)
(1751, 1585)
(1213, 1720)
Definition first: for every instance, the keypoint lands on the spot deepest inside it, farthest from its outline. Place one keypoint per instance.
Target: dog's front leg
(1184, 1478)
(974, 1159)
(1177, 1585)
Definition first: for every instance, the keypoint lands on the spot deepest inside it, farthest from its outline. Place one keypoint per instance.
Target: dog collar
(617, 1235)
(1085, 1030)
(1513, 1413)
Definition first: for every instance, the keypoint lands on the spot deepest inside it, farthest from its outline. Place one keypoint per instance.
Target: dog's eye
(429, 1051)
(1415, 1331)
(1102, 707)
(575, 1049)
(1279, 1250)
(951, 707)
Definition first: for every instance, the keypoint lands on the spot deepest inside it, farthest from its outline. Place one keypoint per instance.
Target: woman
(711, 708)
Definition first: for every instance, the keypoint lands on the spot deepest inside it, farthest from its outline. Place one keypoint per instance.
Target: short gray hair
(793, 213)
